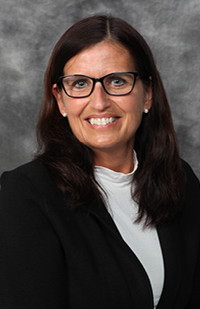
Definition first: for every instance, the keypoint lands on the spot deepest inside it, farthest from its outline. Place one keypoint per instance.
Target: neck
(118, 162)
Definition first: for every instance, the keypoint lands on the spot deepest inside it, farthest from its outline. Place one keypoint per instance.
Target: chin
(103, 146)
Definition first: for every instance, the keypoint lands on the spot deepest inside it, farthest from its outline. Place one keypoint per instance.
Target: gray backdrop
(29, 30)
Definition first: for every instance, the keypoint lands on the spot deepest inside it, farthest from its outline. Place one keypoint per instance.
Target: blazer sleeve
(32, 266)
(194, 198)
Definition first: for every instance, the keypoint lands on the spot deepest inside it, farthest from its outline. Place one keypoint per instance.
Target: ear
(148, 100)
(59, 98)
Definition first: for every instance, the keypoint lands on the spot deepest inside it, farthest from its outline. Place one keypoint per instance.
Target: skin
(112, 143)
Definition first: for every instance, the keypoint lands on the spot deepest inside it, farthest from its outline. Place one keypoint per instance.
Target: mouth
(102, 121)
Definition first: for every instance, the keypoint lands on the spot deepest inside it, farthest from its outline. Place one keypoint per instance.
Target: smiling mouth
(102, 121)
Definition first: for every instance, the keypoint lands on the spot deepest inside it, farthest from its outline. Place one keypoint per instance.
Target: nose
(99, 99)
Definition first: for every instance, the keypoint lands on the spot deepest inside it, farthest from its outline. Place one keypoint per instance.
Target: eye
(116, 81)
(81, 83)
(77, 82)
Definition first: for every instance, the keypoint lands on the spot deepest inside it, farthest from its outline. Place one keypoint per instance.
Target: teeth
(101, 121)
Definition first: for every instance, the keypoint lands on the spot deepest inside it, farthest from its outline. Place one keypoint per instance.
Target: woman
(107, 215)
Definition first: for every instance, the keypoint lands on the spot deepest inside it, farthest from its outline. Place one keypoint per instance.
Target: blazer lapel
(138, 283)
(170, 244)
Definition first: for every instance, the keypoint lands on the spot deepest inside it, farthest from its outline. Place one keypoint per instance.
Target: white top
(144, 242)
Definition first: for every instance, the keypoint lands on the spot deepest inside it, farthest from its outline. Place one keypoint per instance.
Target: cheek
(75, 117)
(74, 107)
(133, 107)
(73, 110)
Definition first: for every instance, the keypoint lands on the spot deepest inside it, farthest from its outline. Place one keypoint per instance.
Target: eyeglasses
(81, 86)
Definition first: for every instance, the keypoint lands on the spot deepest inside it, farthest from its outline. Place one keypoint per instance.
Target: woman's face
(124, 112)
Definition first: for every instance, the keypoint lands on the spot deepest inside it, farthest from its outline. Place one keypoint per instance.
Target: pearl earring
(146, 110)
(64, 114)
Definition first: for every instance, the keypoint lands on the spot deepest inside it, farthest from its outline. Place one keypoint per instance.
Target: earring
(146, 110)
(64, 114)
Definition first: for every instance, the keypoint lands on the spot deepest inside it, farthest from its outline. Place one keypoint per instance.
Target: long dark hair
(159, 179)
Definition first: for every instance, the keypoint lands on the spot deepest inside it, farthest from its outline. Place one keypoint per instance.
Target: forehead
(103, 56)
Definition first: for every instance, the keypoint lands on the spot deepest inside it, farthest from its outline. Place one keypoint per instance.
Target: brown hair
(159, 179)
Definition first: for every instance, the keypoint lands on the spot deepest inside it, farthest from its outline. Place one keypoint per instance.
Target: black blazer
(53, 257)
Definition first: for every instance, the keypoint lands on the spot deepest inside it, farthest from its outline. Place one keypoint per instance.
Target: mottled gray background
(29, 30)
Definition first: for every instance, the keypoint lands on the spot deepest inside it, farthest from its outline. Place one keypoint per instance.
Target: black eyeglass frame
(95, 80)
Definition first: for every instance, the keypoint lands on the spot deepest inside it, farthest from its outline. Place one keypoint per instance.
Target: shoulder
(192, 182)
(191, 210)
(32, 172)
(28, 182)
(189, 172)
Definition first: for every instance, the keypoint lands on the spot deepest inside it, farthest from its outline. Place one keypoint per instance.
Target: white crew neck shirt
(143, 242)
